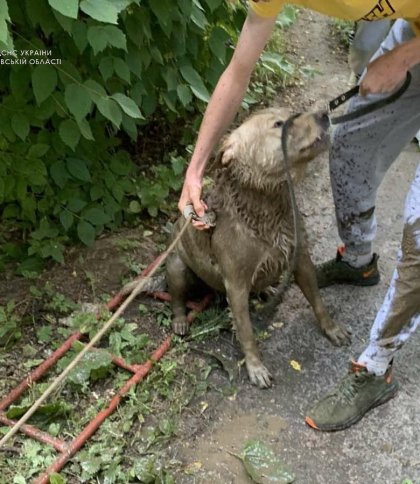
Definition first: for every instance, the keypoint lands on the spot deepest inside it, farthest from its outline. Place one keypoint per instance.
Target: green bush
(75, 77)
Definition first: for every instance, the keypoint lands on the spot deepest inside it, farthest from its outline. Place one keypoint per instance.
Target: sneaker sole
(385, 397)
(371, 281)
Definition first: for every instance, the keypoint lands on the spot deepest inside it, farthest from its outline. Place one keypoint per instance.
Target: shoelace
(349, 386)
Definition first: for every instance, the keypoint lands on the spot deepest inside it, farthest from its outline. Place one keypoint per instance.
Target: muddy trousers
(361, 153)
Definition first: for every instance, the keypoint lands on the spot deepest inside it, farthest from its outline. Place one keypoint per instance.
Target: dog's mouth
(320, 142)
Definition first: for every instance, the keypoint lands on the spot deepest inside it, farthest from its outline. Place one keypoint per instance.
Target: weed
(9, 325)
(344, 30)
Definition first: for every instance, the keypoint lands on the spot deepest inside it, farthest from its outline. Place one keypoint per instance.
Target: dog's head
(254, 149)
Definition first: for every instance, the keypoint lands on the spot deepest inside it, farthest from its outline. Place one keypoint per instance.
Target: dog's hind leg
(180, 279)
(305, 278)
(238, 300)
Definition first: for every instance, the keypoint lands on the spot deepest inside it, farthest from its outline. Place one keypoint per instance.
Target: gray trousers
(361, 153)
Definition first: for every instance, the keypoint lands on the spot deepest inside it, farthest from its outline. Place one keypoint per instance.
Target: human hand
(384, 74)
(191, 194)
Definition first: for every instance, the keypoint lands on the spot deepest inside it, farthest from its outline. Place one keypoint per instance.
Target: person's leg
(399, 315)
(361, 153)
(369, 382)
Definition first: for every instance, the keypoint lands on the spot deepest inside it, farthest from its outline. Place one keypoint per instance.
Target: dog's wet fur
(253, 240)
(252, 244)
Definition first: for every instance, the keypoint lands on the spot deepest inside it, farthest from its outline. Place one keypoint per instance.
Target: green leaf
(68, 8)
(20, 125)
(184, 94)
(95, 90)
(76, 204)
(86, 232)
(4, 15)
(128, 105)
(59, 173)
(116, 37)
(97, 38)
(263, 465)
(106, 67)
(85, 129)
(66, 219)
(196, 83)
(38, 150)
(110, 109)
(121, 69)
(50, 410)
(69, 133)
(96, 216)
(213, 4)
(44, 82)
(130, 127)
(144, 469)
(78, 169)
(162, 11)
(78, 100)
(198, 17)
(134, 207)
(101, 10)
(92, 364)
(79, 34)
(56, 478)
(277, 63)
(217, 43)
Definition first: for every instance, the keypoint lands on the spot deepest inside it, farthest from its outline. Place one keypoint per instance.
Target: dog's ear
(227, 152)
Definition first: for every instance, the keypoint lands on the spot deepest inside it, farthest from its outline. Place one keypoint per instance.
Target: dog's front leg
(305, 278)
(177, 276)
(238, 300)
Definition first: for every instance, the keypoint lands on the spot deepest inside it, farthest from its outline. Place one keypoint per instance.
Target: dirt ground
(383, 448)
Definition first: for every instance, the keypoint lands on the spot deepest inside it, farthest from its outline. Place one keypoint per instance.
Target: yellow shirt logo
(382, 10)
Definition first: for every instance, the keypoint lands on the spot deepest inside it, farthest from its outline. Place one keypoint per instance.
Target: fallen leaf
(295, 365)
(263, 466)
(193, 467)
(204, 407)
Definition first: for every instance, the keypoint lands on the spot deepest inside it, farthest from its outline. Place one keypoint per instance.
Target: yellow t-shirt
(349, 9)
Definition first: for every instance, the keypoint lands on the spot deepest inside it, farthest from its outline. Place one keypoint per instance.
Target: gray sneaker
(348, 402)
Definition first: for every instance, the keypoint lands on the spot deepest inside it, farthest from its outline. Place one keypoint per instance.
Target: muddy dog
(252, 243)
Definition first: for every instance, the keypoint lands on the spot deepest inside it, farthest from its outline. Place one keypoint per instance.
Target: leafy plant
(344, 30)
(76, 76)
(9, 324)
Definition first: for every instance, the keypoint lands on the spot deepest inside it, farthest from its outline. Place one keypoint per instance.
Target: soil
(383, 448)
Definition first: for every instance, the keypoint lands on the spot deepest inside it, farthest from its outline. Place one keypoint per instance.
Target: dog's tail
(156, 283)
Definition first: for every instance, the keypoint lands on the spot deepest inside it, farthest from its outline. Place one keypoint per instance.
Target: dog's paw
(338, 335)
(258, 373)
(180, 325)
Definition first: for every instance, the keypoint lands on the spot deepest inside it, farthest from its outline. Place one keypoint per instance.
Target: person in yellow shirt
(362, 151)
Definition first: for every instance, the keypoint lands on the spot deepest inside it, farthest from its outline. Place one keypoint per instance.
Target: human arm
(389, 70)
(223, 106)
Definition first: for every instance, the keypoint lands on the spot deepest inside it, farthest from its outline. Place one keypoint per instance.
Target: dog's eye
(278, 124)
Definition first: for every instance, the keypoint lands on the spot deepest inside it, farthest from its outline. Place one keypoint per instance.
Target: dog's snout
(323, 119)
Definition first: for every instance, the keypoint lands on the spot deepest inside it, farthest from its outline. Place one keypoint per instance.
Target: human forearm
(230, 90)
(223, 106)
(389, 70)
(220, 113)
(409, 53)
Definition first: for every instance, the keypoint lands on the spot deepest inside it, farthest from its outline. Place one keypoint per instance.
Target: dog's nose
(323, 119)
